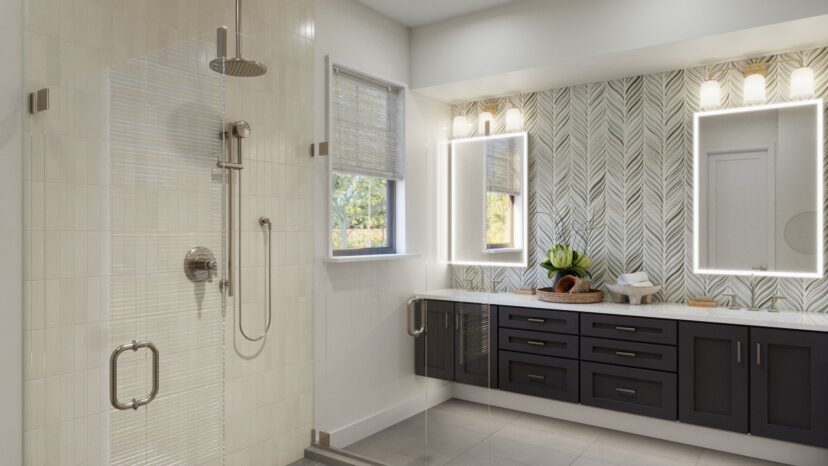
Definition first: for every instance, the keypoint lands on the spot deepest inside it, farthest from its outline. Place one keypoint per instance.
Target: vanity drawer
(539, 320)
(629, 328)
(543, 343)
(629, 353)
(542, 376)
(636, 391)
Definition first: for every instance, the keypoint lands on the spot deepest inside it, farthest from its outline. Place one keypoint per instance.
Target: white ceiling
(414, 13)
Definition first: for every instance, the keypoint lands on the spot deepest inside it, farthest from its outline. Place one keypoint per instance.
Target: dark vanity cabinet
(434, 348)
(538, 352)
(789, 385)
(713, 375)
(768, 382)
(459, 343)
(629, 364)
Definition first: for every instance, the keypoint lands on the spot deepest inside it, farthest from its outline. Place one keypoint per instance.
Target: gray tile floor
(463, 433)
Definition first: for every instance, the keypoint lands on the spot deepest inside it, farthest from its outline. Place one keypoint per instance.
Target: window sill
(502, 250)
(368, 258)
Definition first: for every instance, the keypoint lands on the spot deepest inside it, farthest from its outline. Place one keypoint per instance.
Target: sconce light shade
(460, 127)
(802, 83)
(514, 120)
(710, 95)
(482, 119)
(753, 91)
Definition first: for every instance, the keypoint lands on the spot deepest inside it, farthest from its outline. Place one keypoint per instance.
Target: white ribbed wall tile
(70, 47)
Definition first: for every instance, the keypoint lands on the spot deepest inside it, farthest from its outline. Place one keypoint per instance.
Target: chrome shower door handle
(412, 304)
(113, 375)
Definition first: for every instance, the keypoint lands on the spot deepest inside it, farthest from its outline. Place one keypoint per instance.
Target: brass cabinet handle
(536, 342)
(626, 391)
(536, 376)
(113, 375)
(739, 351)
(536, 319)
(626, 354)
(622, 328)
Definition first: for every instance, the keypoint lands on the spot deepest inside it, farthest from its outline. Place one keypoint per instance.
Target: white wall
(364, 361)
(591, 40)
(11, 230)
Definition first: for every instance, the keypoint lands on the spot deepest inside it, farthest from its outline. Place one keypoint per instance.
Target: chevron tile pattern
(622, 152)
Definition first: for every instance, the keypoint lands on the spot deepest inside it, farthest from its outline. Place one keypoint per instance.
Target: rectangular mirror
(488, 177)
(758, 190)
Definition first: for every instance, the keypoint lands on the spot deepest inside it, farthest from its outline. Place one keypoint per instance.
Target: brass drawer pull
(536, 342)
(626, 354)
(538, 377)
(626, 391)
(622, 328)
(536, 319)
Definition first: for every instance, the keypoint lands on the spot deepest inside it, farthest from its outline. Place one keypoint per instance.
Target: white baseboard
(370, 425)
(731, 442)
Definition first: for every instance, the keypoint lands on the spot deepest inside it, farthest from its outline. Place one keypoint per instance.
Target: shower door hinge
(39, 100)
(323, 149)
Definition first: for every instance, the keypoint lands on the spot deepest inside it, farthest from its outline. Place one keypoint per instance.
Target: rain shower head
(238, 67)
(234, 66)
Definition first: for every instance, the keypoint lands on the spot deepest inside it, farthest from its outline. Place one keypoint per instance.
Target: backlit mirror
(758, 188)
(488, 177)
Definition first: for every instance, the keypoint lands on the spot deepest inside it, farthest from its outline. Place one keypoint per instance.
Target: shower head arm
(238, 29)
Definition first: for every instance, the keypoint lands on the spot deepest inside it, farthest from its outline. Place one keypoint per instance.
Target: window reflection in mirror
(758, 190)
(488, 200)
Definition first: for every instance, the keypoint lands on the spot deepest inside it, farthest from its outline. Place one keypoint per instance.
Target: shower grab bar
(113, 375)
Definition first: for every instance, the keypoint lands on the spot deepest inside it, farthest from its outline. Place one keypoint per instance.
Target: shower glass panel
(392, 366)
(164, 198)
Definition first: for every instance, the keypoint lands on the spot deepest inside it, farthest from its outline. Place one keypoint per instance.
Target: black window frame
(391, 227)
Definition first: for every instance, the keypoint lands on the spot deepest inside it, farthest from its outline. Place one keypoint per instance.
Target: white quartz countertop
(813, 321)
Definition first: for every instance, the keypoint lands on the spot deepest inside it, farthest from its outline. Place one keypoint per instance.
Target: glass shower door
(165, 198)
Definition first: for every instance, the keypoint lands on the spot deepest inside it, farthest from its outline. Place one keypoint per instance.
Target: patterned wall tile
(621, 151)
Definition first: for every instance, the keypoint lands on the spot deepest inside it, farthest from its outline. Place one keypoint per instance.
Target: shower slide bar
(241, 130)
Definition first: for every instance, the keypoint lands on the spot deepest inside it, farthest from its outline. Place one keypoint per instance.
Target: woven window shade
(503, 166)
(366, 126)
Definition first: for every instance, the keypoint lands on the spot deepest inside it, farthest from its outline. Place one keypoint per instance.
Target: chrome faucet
(774, 298)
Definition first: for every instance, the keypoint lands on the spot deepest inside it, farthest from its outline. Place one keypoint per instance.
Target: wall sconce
(486, 119)
(753, 90)
(460, 127)
(514, 120)
(802, 81)
(710, 95)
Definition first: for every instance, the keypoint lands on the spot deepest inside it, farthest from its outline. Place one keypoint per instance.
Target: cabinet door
(789, 385)
(475, 341)
(434, 349)
(713, 375)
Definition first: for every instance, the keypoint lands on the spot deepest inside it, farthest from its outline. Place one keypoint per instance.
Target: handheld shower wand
(241, 130)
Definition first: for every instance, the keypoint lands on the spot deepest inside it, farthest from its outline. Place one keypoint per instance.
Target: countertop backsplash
(622, 150)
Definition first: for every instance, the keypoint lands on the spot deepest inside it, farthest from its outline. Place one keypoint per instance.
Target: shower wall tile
(68, 258)
(622, 150)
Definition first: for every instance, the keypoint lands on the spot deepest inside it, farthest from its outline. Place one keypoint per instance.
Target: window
(367, 163)
(500, 225)
(502, 187)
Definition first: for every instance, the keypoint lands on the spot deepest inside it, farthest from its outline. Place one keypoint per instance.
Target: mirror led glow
(819, 207)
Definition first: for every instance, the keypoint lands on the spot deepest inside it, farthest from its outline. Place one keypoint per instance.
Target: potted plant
(563, 260)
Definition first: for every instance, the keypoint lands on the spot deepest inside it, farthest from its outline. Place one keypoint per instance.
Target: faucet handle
(495, 283)
(731, 300)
